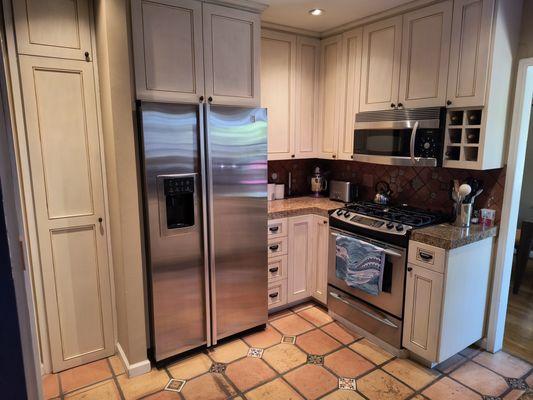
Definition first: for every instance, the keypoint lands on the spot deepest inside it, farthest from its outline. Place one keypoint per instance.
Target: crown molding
(284, 28)
(247, 5)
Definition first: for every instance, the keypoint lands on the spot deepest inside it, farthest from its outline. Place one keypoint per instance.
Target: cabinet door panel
(425, 53)
(66, 168)
(167, 39)
(319, 283)
(470, 51)
(232, 40)
(68, 37)
(300, 257)
(278, 67)
(380, 73)
(423, 301)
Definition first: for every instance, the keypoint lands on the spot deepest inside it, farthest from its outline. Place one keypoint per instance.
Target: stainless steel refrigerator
(205, 184)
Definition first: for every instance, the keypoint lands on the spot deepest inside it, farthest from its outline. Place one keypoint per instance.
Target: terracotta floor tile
(190, 367)
(116, 365)
(470, 351)
(316, 316)
(249, 372)
(340, 333)
(343, 395)
(371, 351)
(279, 314)
(101, 391)
(411, 373)
(529, 380)
(276, 390)
(208, 386)
(504, 364)
(451, 363)
(317, 342)
(480, 379)
(312, 381)
(347, 363)
(163, 395)
(292, 325)
(514, 394)
(84, 375)
(228, 352)
(50, 386)
(263, 339)
(284, 357)
(303, 306)
(381, 386)
(448, 389)
(142, 385)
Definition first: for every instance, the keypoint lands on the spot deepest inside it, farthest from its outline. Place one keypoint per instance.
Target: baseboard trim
(136, 369)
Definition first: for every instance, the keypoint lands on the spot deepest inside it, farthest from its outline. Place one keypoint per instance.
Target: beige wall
(117, 94)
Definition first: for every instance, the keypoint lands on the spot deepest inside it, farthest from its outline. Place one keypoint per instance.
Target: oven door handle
(386, 251)
(413, 142)
(378, 317)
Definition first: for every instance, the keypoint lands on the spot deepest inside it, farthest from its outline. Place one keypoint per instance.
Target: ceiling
(294, 13)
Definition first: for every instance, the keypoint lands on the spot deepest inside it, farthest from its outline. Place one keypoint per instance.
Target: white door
(167, 47)
(66, 167)
(69, 36)
(307, 97)
(319, 281)
(380, 72)
(422, 312)
(352, 49)
(278, 82)
(232, 41)
(300, 250)
(425, 56)
(469, 53)
(330, 104)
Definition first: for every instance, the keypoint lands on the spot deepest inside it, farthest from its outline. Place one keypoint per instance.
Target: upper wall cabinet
(174, 38)
(168, 50)
(68, 37)
(380, 74)
(425, 51)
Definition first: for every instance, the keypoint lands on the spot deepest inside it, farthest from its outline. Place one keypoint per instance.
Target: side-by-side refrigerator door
(237, 184)
(175, 225)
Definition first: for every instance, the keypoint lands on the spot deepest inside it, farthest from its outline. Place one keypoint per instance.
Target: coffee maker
(319, 184)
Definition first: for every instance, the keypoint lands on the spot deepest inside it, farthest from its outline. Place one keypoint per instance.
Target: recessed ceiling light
(316, 12)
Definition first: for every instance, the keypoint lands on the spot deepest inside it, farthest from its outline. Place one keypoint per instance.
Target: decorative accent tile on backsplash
(422, 187)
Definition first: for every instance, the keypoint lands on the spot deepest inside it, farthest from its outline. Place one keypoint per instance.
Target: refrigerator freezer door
(174, 222)
(237, 195)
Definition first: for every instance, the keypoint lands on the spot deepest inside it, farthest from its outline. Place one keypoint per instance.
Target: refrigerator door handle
(205, 223)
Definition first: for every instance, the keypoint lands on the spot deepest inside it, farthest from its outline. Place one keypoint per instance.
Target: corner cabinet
(301, 254)
(178, 42)
(319, 271)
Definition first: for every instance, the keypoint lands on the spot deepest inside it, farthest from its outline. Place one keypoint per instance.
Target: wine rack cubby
(462, 137)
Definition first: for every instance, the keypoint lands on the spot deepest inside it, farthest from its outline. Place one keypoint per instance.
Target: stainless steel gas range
(387, 227)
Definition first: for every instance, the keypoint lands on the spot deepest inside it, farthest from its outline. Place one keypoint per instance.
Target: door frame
(511, 203)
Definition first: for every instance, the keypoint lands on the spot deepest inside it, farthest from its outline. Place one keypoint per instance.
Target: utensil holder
(463, 215)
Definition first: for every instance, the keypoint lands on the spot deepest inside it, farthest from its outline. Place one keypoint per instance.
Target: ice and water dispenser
(177, 203)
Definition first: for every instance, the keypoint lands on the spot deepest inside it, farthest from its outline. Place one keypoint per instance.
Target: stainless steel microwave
(400, 137)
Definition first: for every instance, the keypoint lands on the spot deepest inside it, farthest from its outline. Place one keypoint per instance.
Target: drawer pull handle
(274, 269)
(273, 229)
(274, 247)
(273, 295)
(425, 256)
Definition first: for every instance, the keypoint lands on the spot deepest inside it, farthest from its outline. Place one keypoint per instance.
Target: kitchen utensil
(464, 190)
(464, 213)
(383, 193)
(473, 197)
(319, 184)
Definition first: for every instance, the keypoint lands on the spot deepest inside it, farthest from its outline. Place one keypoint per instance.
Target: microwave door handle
(413, 140)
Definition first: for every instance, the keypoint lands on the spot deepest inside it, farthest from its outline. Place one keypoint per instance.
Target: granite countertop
(301, 206)
(450, 237)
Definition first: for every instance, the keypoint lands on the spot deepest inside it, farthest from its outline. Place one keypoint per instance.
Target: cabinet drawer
(277, 247)
(277, 268)
(277, 228)
(427, 256)
(277, 294)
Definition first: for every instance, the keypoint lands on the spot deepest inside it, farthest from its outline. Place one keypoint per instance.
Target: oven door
(391, 297)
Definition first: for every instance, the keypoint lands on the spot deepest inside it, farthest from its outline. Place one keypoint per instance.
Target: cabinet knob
(210, 99)
(334, 156)
(201, 99)
(392, 105)
(409, 269)
(400, 105)
(351, 156)
(324, 222)
(100, 219)
(292, 156)
(87, 56)
(448, 102)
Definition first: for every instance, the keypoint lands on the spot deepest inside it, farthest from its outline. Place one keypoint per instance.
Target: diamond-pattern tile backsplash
(422, 187)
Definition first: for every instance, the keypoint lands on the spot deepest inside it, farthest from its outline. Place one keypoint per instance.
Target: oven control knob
(339, 212)
(399, 227)
(390, 225)
(347, 214)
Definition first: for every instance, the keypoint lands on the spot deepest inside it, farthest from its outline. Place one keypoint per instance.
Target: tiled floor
(302, 354)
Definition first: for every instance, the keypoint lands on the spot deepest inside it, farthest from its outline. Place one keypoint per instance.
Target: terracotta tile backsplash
(421, 187)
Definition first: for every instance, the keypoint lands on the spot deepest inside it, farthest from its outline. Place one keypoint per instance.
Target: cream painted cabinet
(425, 54)
(69, 36)
(232, 52)
(278, 69)
(300, 251)
(330, 96)
(470, 52)
(168, 50)
(352, 43)
(68, 188)
(307, 97)
(380, 72)
(319, 278)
